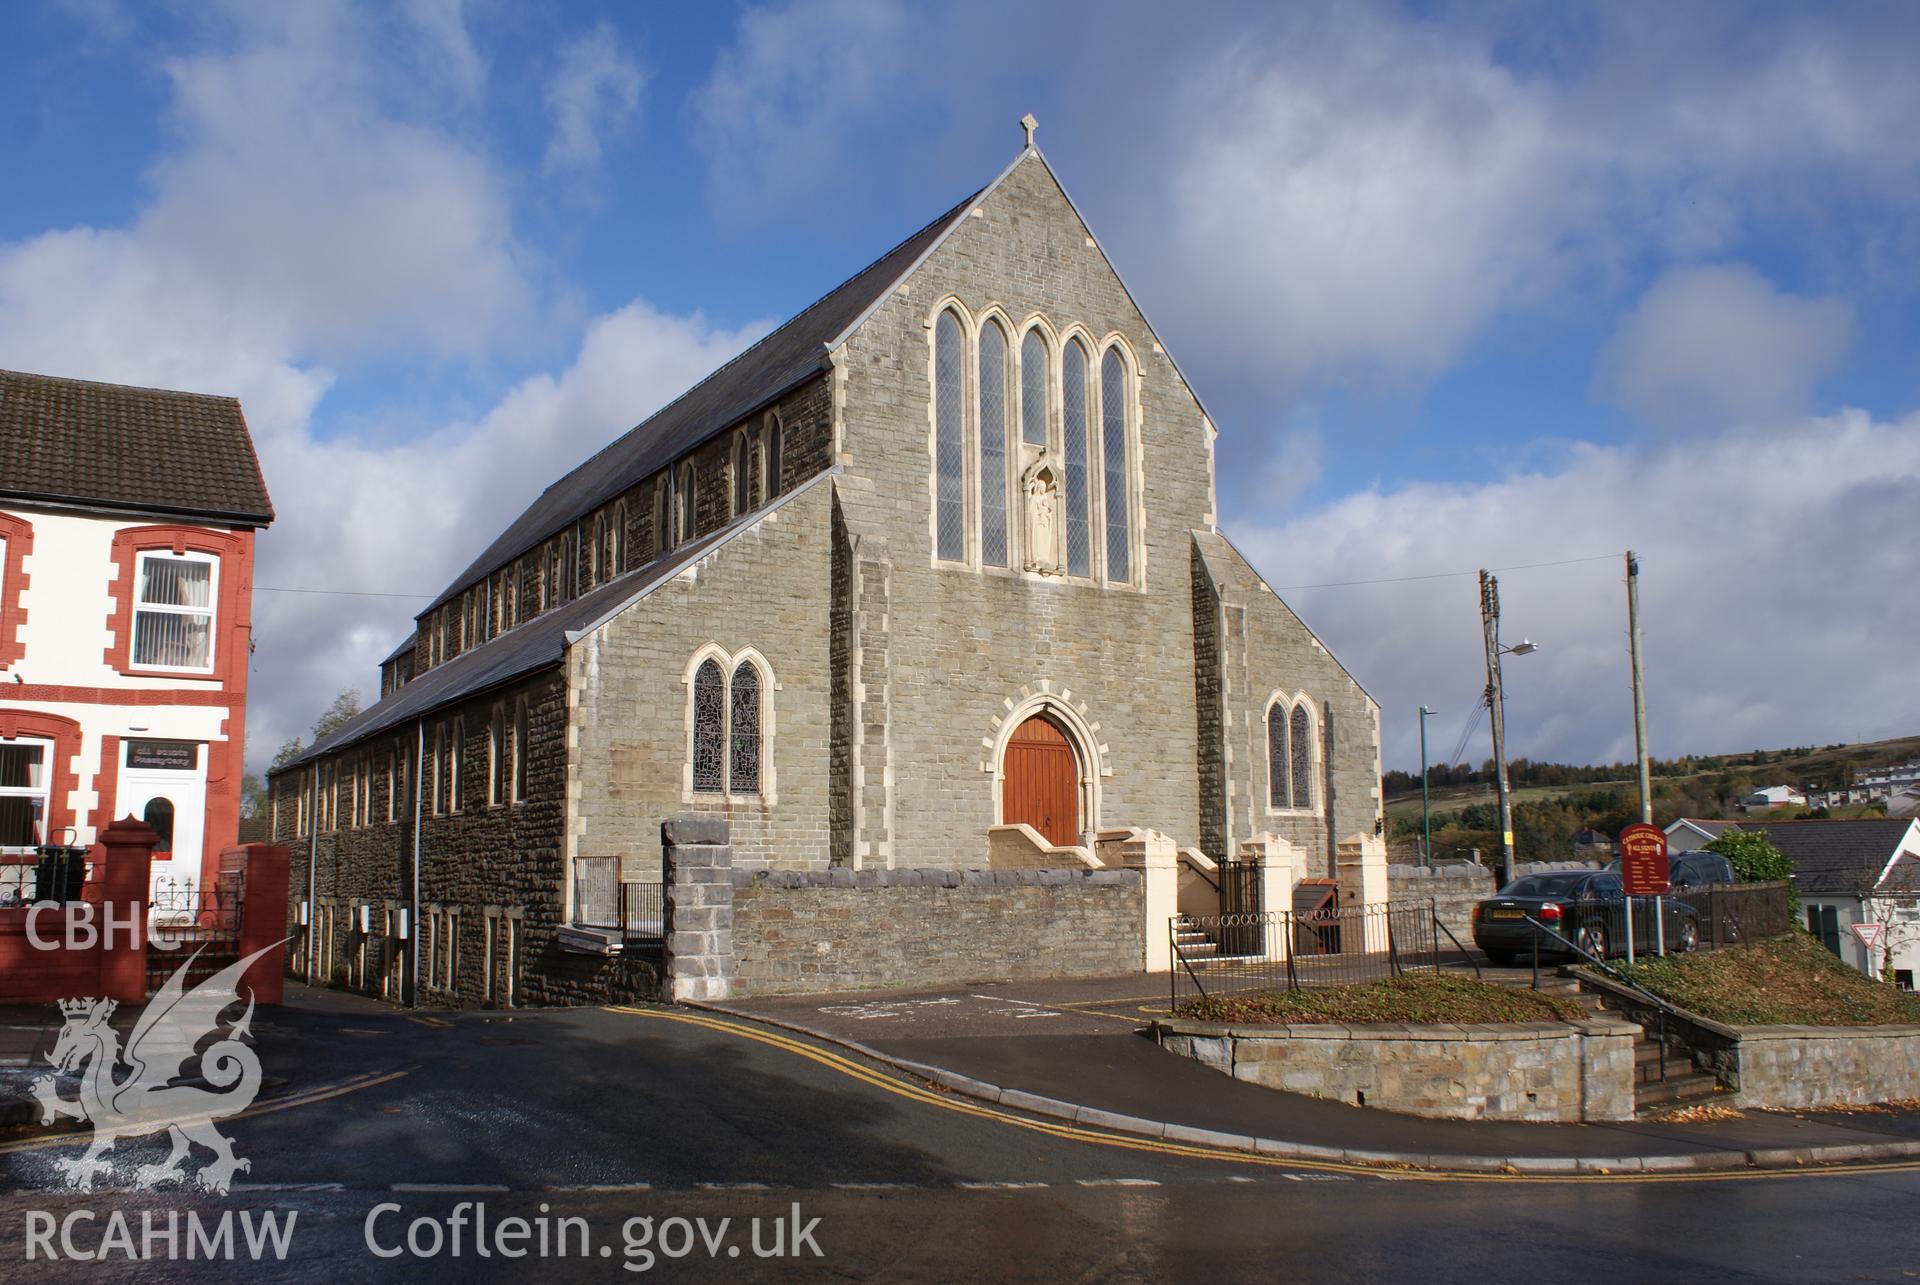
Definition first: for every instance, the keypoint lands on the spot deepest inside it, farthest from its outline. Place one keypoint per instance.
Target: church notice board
(1643, 860)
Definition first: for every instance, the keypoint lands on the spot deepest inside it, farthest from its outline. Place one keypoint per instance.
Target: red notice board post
(1643, 873)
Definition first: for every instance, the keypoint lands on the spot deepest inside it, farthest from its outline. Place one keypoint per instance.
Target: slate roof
(143, 449)
(538, 644)
(1835, 858)
(758, 377)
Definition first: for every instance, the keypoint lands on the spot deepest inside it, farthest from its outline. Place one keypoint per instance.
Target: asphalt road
(618, 1118)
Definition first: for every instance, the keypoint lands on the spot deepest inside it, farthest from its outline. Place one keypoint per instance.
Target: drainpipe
(413, 934)
(313, 864)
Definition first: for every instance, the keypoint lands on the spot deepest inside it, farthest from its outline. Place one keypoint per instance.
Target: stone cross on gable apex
(1029, 124)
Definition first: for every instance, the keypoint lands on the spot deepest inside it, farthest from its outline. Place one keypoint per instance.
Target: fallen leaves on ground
(1410, 998)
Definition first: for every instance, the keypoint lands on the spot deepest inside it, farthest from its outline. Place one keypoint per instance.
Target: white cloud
(1774, 591)
(595, 93)
(297, 226)
(800, 82)
(1716, 346)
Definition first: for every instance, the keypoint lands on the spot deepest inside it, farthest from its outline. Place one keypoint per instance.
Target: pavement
(1073, 1050)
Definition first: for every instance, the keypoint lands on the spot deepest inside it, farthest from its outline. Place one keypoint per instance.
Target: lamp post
(1426, 816)
(1496, 705)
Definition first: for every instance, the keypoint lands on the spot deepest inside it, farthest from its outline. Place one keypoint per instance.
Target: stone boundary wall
(803, 931)
(1785, 1066)
(1565, 1072)
(1453, 890)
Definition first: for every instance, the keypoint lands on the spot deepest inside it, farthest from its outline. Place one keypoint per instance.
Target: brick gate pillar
(126, 857)
(697, 881)
(263, 916)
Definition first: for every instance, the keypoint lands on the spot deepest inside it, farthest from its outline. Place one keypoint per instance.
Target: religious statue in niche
(1041, 487)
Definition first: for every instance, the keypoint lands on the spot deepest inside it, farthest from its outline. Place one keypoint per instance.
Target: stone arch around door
(1062, 721)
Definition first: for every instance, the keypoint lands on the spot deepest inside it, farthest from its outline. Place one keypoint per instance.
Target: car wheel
(1689, 937)
(1499, 958)
(1592, 938)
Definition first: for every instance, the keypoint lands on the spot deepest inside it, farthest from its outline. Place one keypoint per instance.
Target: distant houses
(1775, 796)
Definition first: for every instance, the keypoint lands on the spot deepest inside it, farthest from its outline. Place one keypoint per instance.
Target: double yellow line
(945, 1101)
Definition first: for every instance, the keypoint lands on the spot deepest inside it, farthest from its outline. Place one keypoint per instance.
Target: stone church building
(929, 579)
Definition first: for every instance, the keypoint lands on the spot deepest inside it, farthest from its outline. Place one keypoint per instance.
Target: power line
(340, 593)
(1445, 575)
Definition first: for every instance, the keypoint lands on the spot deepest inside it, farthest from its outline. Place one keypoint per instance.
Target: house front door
(1042, 782)
(164, 783)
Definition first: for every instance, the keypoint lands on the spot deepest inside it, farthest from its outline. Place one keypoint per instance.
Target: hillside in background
(1552, 801)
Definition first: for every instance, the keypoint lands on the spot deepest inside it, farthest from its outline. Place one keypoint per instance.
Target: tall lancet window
(1113, 463)
(993, 445)
(709, 728)
(949, 438)
(1073, 441)
(1033, 389)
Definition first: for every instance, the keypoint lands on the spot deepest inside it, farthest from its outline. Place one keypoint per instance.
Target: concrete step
(1675, 1090)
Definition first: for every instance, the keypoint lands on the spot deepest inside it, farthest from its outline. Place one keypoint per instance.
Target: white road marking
(1116, 1182)
(875, 1186)
(607, 1186)
(733, 1186)
(999, 1186)
(446, 1186)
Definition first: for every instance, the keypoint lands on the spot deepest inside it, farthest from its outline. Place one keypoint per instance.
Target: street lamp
(1426, 816)
(1496, 704)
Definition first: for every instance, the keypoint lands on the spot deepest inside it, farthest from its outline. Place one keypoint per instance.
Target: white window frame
(44, 793)
(211, 611)
(768, 794)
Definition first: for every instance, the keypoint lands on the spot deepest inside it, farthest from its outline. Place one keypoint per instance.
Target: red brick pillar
(121, 913)
(263, 918)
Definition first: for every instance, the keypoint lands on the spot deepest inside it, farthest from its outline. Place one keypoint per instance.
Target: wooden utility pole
(1496, 708)
(1639, 691)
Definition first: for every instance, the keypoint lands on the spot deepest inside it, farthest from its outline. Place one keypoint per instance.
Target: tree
(1752, 855)
(345, 707)
(286, 754)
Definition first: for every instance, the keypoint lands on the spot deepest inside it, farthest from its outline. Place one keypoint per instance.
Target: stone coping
(1600, 981)
(931, 878)
(1480, 1032)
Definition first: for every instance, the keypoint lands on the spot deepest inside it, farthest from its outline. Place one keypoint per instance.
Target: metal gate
(187, 920)
(1240, 926)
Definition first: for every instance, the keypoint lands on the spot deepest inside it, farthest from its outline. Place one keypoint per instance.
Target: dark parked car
(1585, 907)
(1697, 869)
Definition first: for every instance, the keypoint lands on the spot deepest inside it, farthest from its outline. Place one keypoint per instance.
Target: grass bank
(1414, 998)
(1789, 980)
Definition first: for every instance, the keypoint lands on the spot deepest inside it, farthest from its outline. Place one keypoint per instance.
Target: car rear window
(1553, 885)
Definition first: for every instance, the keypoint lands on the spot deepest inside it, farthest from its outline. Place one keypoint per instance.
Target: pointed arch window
(772, 483)
(1300, 733)
(662, 516)
(743, 730)
(1279, 784)
(1033, 389)
(709, 728)
(1116, 502)
(683, 500)
(741, 458)
(993, 445)
(949, 438)
(1291, 754)
(1073, 442)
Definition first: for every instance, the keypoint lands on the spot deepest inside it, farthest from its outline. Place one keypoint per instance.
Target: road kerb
(1544, 1166)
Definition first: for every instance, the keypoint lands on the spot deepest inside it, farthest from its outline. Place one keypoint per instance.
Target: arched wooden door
(1041, 784)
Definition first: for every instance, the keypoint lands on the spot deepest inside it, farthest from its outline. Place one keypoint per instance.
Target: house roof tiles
(149, 450)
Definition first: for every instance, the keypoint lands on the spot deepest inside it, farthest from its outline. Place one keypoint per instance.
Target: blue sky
(1464, 285)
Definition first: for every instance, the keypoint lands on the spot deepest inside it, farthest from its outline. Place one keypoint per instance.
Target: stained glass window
(1302, 737)
(1278, 793)
(709, 728)
(1073, 373)
(744, 761)
(949, 438)
(1113, 463)
(1033, 389)
(993, 445)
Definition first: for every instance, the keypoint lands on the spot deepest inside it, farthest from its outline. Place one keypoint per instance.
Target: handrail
(1660, 1006)
(1465, 953)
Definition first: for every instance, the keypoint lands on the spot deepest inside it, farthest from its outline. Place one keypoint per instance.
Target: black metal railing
(1731, 913)
(187, 919)
(53, 873)
(1279, 951)
(601, 899)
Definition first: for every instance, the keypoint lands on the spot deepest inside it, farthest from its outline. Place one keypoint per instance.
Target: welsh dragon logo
(144, 1099)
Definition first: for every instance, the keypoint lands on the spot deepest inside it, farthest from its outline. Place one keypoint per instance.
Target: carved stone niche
(1040, 485)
